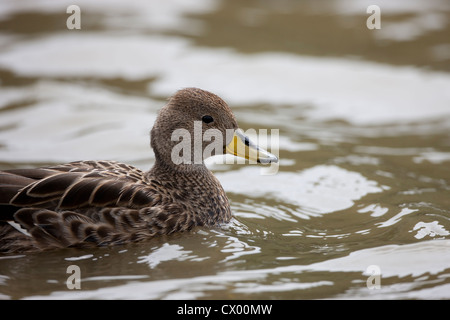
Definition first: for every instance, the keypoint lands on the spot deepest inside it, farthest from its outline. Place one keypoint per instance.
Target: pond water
(360, 204)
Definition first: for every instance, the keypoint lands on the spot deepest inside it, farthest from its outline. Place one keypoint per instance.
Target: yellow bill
(242, 146)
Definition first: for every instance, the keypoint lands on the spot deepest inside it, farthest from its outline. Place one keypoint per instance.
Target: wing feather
(82, 204)
(76, 185)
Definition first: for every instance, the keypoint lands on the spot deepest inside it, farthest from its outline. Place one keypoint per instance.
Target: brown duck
(98, 203)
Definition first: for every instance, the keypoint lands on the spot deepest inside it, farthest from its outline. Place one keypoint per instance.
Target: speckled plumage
(95, 203)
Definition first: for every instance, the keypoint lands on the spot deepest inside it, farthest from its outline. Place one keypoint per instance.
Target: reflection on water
(364, 124)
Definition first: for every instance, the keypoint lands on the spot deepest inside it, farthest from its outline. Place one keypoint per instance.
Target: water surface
(363, 118)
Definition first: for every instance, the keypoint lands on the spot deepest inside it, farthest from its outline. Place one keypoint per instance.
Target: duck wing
(77, 185)
(81, 204)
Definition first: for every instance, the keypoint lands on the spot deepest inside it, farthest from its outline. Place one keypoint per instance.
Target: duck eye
(207, 119)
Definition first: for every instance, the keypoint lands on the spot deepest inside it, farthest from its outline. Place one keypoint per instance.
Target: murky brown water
(363, 117)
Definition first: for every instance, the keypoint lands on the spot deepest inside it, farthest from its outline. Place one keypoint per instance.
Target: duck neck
(162, 166)
(194, 184)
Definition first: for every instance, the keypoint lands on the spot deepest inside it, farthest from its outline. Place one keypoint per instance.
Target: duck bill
(242, 146)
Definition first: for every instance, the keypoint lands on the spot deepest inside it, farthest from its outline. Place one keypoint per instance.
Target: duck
(105, 203)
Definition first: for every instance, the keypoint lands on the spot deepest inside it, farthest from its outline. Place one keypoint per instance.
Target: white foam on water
(71, 122)
(360, 92)
(416, 259)
(320, 189)
(394, 260)
(167, 252)
(122, 15)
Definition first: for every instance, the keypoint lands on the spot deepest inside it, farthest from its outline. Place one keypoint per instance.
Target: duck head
(196, 124)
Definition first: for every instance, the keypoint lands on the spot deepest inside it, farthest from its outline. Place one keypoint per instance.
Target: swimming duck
(98, 203)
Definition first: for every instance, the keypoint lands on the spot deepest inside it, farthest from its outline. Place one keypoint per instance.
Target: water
(361, 196)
